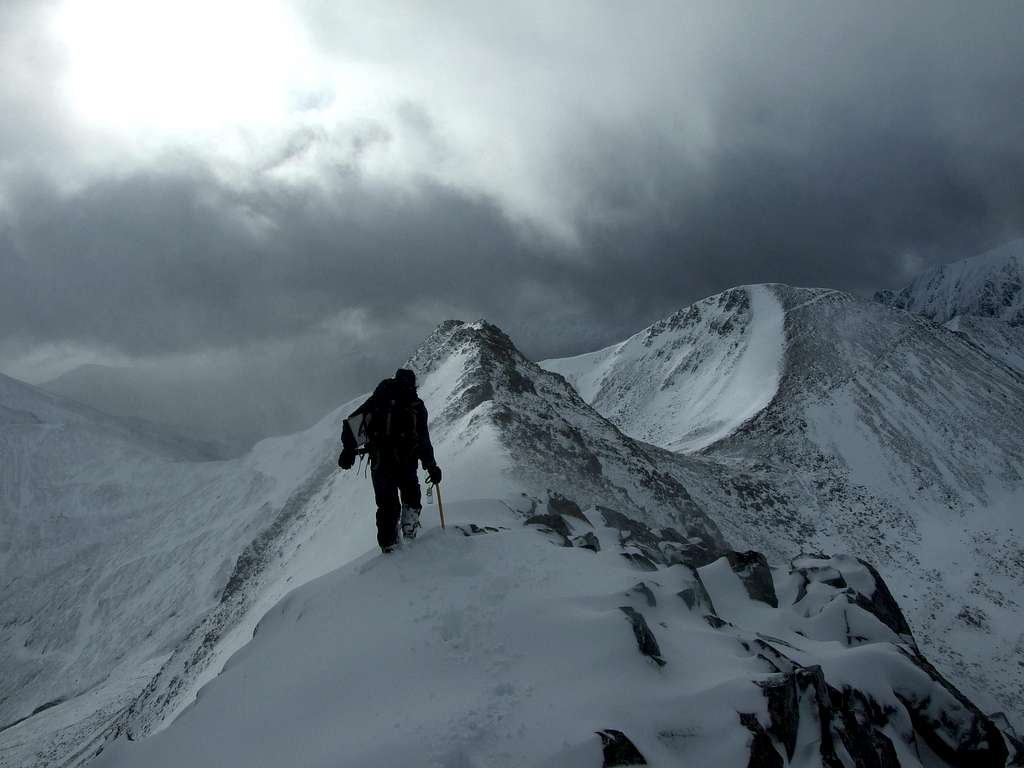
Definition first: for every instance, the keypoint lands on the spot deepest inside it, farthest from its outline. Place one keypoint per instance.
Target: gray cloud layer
(842, 145)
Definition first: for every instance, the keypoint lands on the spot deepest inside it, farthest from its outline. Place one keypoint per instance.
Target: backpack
(387, 422)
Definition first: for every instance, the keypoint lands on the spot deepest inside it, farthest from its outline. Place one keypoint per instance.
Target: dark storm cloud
(843, 145)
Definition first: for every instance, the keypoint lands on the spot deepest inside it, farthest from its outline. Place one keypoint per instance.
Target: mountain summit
(680, 577)
(989, 285)
(839, 424)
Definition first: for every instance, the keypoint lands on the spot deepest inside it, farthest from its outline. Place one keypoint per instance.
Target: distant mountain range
(766, 419)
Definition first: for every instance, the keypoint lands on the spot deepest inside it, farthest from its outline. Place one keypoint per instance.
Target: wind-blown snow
(888, 436)
(692, 379)
(988, 285)
(505, 649)
(857, 441)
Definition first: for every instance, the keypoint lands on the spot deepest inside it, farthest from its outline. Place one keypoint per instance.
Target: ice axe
(431, 487)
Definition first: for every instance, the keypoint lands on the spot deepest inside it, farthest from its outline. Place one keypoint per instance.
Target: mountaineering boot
(396, 542)
(410, 522)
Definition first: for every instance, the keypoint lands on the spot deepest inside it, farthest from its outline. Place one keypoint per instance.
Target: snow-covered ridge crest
(693, 378)
(988, 285)
(980, 298)
(577, 641)
(792, 478)
(474, 378)
(889, 437)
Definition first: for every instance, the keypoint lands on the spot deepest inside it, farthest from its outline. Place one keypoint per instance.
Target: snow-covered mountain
(201, 551)
(879, 433)
(989, 285)
(692, 378)
(494, 644)
(175, 560)
(996, 337)
(981, 298)
(115, 542)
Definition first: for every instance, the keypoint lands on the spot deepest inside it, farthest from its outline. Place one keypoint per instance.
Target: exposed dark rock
(693, 554)
(772, 656)
(752, 568)
(1013, 740)
(715, 622)
(669, 547)
(697, 596)
(803, 566)
(472, 529)
(762, 752)
(588, 541)
(884, 606)
(631, 532)
(645, 639)
(671, 534)
(849, 715)
(619, 750)
(964, 738)
(783, 710)
(553, 523)
(560, 505)
(642, 589)
(640, 562)
(858, 719)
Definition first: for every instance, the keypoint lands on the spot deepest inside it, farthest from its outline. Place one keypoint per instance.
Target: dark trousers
(394, 483)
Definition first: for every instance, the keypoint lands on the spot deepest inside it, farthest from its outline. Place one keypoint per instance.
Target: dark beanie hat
(406, 377)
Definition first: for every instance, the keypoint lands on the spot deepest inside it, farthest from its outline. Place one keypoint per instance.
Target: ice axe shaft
(440, 504)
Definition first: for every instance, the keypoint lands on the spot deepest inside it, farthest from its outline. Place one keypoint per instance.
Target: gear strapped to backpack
(387, 422)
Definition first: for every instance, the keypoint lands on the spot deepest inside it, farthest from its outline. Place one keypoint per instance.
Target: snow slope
(691, 379)
(899, 441)
(171, 561)
(989, 285)
(114, 544)
(886, 435)
(491, 644)
(505, 428)
(981, 298)
(996, 337)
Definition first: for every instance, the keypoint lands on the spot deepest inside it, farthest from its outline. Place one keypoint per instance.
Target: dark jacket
(390, 396)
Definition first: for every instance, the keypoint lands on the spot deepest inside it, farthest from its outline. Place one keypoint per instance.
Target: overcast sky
(286, 197)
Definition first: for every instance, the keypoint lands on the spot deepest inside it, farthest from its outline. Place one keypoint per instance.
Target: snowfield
(634, 603)
(691, 379)
(990, 285)
(494, 644)
(887, 436)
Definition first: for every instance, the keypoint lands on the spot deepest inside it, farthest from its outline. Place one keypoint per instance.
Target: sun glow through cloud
(182, 68)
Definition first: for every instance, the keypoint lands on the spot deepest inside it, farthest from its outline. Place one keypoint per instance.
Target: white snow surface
(691, 379)
(116, 548)
(506, 649)
(998, 338)
(988, 285)
(887, 436)
(128, 554)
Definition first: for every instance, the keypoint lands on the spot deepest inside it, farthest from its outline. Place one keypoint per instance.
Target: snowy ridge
(116, 544)
(494, 644)
(981, 298)
(998, 338)
(989, 285)
(691, 379)
(898, 441)
(235, 536)
(791, 478)
(888, 437)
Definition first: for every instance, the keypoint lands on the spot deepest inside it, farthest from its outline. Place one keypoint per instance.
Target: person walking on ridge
(391, 429)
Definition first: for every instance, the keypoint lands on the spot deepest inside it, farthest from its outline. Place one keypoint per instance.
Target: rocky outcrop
(645, 640)
(618, 750)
